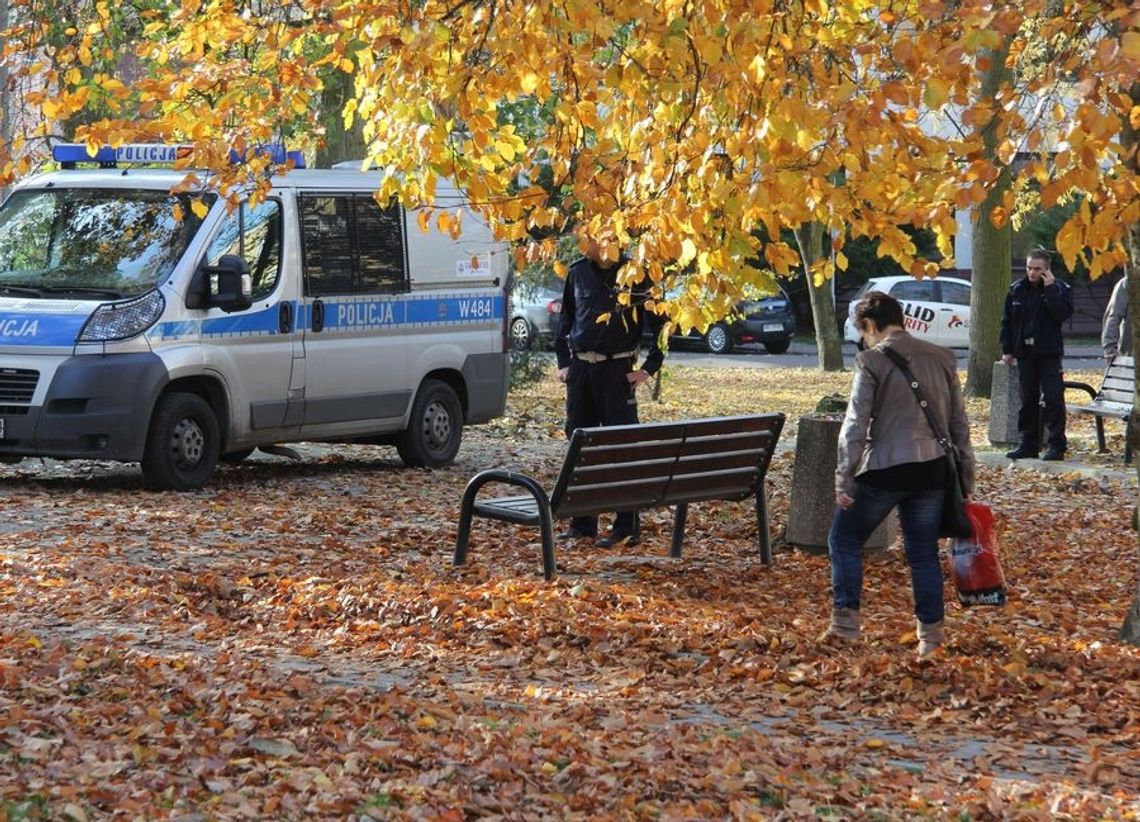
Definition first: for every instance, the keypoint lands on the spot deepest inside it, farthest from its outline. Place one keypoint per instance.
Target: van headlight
(123, 320)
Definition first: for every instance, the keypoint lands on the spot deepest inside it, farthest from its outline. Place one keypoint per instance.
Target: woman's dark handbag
(954, 523)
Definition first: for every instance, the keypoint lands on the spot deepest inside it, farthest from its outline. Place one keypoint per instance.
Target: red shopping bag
(974, 564)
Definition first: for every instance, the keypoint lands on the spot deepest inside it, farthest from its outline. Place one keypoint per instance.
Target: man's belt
(595, 356)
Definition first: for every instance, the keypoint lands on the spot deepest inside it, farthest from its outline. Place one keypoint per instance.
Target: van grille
(18, 384)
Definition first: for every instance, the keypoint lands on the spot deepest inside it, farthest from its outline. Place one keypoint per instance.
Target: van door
(954, 315)
(256, 346)
(919, 307)
(354, 313)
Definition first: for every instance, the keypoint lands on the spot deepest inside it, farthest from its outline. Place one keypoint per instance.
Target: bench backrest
(625, 467)
(1119, 382)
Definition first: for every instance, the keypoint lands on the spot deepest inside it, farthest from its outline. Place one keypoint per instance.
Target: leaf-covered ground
(293, 642)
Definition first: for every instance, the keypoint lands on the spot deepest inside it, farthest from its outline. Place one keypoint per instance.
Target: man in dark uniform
(1035, 308)
(597, 361)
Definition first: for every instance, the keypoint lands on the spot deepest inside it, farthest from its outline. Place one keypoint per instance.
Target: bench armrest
(508, 477)
(467, 512)
(1082, 386)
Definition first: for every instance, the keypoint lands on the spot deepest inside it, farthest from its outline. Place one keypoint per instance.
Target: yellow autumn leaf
(529, 82)
(506, 149)
(199, 208)
(935, 93)
(688, 252)
(1130, 45)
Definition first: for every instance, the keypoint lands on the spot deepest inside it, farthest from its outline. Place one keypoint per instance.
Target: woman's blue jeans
(919, 514)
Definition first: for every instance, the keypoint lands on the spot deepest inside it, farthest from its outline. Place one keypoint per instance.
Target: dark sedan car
(535, 315)
(770, 321)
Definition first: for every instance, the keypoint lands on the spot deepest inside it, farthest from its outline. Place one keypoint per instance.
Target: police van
(136, 325)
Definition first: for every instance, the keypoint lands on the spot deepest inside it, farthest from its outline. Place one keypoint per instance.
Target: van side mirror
(227, 286)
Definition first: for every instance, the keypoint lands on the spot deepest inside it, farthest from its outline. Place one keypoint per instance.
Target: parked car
(935, 310)
(769, 320)
(535, 314)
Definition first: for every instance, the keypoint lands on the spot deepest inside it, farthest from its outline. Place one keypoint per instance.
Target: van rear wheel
(182, 445)
(435, 427)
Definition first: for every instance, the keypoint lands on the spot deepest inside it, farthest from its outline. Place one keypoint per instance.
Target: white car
(935, 310)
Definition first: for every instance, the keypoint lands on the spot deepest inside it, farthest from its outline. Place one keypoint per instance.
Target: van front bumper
(96, 407)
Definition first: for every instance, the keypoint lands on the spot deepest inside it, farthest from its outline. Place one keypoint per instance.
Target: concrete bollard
(1005, 402)
(812, 501)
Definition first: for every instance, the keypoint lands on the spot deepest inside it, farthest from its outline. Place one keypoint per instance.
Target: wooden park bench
(633, 467)
(1113, 399)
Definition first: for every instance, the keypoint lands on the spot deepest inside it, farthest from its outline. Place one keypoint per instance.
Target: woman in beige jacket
(889, 457)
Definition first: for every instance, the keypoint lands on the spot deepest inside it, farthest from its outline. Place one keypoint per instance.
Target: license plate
(771, 328)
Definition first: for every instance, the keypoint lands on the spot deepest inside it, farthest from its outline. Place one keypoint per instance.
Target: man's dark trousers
(599, 394)
(1039, 376)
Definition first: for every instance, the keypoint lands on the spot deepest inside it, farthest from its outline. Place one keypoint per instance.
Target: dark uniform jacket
(1034, 312)
(590, 292)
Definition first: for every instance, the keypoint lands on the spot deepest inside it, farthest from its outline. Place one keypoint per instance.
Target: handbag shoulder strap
(898, 360)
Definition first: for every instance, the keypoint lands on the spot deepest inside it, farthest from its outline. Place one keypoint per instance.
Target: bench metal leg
(466, 512)
(679, 517)
(1101, 448)
(546, 526)
(763, 536)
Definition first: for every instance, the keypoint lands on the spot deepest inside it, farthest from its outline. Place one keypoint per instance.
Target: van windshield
(94, 243)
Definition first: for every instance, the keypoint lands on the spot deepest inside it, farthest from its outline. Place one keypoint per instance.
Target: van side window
(254, 234)
(351, 245)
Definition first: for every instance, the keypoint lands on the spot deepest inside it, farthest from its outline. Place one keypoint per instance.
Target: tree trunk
(1130, 141)
(829, 345)
(339, 145)
(990, 258)
(990, 262)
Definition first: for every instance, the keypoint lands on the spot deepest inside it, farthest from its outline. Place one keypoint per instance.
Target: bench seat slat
(622, 472)
(728, 442)
(1119, 384)
(1123, 397)
(728, 484)
(625, 434)
(700, 463)
(608, 454)
(1104, 409)
(593, 499)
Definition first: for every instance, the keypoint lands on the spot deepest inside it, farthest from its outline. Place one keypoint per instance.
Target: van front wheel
(182, 446)
(435, 427)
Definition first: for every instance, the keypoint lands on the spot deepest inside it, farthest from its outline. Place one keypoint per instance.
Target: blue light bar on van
(68, 155)
(277, 155)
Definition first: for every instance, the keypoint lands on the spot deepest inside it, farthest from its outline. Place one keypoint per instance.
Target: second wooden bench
(1113, 399)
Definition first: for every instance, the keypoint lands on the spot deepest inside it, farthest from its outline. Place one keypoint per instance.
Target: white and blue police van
(136, 328)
